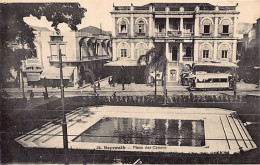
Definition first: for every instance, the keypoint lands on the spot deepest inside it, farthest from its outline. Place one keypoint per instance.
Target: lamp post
(64, 123)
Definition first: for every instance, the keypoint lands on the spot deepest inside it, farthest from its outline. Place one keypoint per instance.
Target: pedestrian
(123, 86)
(31, 95)
(109, 81)
(98, 85)
(44, 97)
(113, 82)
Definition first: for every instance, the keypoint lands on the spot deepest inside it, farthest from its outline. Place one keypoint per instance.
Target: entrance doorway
(173, 74)
(174, 53)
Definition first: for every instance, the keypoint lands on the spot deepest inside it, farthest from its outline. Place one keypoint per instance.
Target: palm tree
(155, 59)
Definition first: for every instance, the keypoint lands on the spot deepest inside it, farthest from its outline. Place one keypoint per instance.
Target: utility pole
(64, 123)
(22, 83)
(155, 77)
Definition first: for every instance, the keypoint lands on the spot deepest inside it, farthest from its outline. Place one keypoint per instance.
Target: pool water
(169, 132)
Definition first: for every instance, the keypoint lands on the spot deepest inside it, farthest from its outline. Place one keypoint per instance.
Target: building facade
(187, 32)
(80, 51)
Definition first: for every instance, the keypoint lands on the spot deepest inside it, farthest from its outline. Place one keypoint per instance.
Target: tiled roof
(94, 30)
(36, 28)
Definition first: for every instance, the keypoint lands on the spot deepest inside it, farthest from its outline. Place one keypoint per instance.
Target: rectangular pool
(170, 132)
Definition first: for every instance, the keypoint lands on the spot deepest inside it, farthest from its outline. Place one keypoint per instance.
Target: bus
(213, 76)
(209, 81)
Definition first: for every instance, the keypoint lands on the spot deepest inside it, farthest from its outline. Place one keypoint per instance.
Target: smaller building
(88, 48)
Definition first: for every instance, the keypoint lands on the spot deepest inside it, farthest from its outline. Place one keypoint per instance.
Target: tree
(14, 29)
(155, 60)
(88, 73)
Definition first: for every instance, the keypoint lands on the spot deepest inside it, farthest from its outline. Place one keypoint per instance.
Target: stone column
(181, 25)
(132, 25)
(114, 47)
(181, 52)
(168, 56)
(132, 45)
(215, 52)
(235, 27)
(196, 51)
(196, 26)
(151, 26)
(113, 26)
(167, 24)
(216, 27)
(234, 53)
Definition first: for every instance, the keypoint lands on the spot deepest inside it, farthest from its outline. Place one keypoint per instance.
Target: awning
(217, 64)
(54, 73)
(33, 76)
(124, 63)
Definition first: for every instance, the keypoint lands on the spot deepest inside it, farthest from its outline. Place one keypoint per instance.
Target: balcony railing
(187, 58)
(187, 34)
(206, 34)
(225, 34)
(123, 34)
(173, 63)
(140, 34)
(160, 34)
(32, 61)
(174, 33)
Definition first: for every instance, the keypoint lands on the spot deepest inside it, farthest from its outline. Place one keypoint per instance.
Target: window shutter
(146, 29)
(200, 54)
(229, 54)
(211, 53)
(136, 28)
(201, 28)
(231, 29)
(219, 54)
(220, 28)
(128, 53)
(211, 29)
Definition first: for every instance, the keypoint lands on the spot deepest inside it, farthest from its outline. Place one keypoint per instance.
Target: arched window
(141, 26)
(206, 26)
(224, 51)
(206, 51)
(140, 50)
(123, 50)
(225, 26)
(123, 27)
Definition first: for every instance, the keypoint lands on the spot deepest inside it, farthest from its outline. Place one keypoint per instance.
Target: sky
(98, 11)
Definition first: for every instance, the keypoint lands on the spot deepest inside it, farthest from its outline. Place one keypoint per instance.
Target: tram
(211, 81)
(217, 76)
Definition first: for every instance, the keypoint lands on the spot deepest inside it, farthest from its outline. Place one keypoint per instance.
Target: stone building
(187, 32)
(88, 48)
